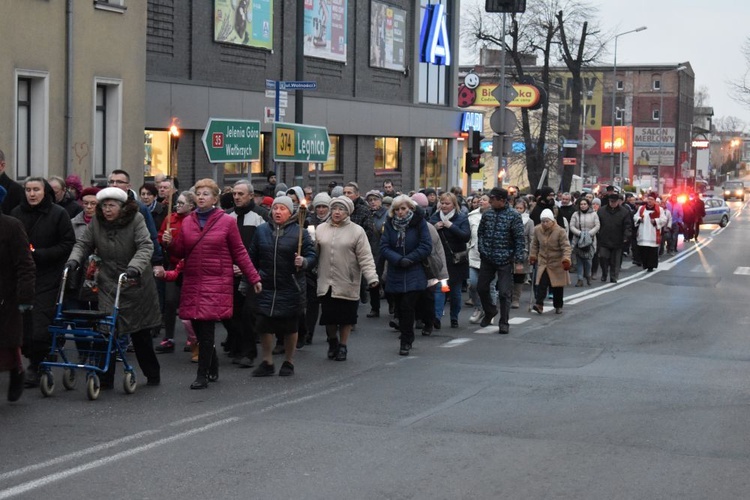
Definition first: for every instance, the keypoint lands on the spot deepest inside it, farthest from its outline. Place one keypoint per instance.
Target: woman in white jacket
(475, 216)
(584, 224)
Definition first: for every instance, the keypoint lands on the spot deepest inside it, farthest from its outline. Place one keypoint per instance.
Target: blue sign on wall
(434, 47)
(471, 120)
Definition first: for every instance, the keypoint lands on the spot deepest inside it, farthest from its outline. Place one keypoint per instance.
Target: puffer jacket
(208, 277)
(284, 286)
(417, 247)
(584, 221)
(454, 240)
(500, 236)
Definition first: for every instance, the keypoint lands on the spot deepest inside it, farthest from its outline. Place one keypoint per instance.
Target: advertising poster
(325, 29)
(244, 22)
(387, 37)
(653, 146)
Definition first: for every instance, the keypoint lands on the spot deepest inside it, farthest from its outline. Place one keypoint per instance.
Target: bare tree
(701, 97)
(541, 31)
(729, 124)
(740, 88)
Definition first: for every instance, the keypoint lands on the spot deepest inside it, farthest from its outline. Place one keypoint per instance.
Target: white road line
(75, 455)
(517, 321)
(47, 480)
(456, 342)
(486, 329)
(304, 398)
(742, 271)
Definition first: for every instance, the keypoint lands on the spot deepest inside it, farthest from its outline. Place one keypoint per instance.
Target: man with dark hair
(270, 189)
(388, 189)
(14, 189)
(545, 198)
(615, 228)
(501, 242)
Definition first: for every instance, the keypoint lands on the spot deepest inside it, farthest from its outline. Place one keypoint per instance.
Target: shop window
(433, 160)
(32, 124)
(157, 159)
(387, 153)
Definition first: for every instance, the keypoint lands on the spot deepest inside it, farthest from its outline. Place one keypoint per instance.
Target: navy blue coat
(454, 240)
(417, 247)
(272, 252)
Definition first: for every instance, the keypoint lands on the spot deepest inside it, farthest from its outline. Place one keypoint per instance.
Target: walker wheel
(47, 383)
(129, 383)
(92, 387)
(69, 379)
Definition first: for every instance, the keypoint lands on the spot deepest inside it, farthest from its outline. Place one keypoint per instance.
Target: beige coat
(344, 255)
(551, 248)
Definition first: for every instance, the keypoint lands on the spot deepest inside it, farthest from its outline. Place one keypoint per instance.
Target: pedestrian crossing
(745, 271)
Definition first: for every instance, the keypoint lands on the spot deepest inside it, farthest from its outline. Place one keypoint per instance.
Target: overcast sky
(709, 34)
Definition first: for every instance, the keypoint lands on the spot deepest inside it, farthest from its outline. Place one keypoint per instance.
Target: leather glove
(566, 265)
(71, 266)
(532, 260)
(132, 273)
(25, 307)
(404, 262)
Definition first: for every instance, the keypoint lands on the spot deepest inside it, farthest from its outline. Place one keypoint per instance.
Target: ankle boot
(15, 388)
(515, 301)
(201, 380)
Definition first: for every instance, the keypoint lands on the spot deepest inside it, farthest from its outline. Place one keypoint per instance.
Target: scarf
(203, 216)
(87, 218)
(654, 214)
(400, 224)
(241, 212)
(447, 217)
(525, 218)
(152, 206)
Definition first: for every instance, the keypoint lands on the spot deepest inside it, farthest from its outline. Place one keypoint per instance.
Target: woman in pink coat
(210, 243)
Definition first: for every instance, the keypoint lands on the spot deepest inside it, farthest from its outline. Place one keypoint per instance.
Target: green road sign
(231, 140)
(293, 142)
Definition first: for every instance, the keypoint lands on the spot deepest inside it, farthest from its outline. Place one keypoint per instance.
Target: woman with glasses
(83, 288)
(169, 230)
(120, 238)
(210, 243)
(405, 244)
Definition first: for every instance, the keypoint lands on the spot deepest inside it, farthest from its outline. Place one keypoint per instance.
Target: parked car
(734, 189)
(717, 212)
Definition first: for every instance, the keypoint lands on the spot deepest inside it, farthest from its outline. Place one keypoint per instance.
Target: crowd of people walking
(273, 263)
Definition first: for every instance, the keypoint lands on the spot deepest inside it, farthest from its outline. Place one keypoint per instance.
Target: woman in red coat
(210, 243)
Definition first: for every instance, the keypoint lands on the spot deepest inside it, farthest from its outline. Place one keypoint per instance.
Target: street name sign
(298, 85)
(293, 142)
(227, 140)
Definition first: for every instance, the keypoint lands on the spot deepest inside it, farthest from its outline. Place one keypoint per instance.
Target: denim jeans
(455, 295)
(474, 294)
(583, 267)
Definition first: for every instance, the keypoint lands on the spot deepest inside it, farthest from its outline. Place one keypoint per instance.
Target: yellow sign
(527, 97)
(284, 142)
(484, 96)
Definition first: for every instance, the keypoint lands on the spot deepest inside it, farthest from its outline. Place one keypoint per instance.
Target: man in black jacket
(616, 226)
(14, 190)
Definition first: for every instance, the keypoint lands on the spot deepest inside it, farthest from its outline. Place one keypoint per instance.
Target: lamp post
(586, 96)
(614, 94)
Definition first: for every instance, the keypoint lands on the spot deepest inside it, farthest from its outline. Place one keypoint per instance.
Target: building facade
(74, 74)
(388, 115)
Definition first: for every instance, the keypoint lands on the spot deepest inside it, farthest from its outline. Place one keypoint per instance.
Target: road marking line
(456, 342)
(742, 271)
(303, 398)
(517, 321)
(72, 456)
(486, 329)
(46, 480)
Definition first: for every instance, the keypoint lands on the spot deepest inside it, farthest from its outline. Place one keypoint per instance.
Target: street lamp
(586, 97)
(661, 131)
(614, 93)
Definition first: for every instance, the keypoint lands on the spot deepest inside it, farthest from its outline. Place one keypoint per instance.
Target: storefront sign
(300, 143)
(244, 22)
(470, 120)
(434, 47)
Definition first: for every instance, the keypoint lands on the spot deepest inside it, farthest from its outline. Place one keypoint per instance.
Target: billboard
(654, 146)
(325, 29)
(244, 22)
(387, 37)
(617, 142)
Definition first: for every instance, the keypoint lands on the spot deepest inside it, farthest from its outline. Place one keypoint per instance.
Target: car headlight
(727, 192)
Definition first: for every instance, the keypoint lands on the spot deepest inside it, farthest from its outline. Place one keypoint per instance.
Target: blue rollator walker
(91, 338)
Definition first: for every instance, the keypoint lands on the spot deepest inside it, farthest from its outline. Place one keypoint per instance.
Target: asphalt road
(641, 389)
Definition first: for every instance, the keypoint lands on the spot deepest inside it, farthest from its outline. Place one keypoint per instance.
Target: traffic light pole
(501, 133)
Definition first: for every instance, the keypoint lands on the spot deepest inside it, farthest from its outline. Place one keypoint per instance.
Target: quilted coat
(284, 286)
(208, 277)
(417, 247)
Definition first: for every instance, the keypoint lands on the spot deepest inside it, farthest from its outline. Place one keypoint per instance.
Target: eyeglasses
(89, 203)
(180, 203)
(110, 206)
(116, 181)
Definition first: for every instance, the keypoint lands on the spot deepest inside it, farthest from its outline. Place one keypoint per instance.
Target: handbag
(456, 257)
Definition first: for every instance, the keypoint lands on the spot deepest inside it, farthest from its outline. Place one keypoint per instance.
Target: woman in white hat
(550, 250)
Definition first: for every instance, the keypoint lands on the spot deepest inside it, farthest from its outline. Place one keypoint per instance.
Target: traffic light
(473, 162)
(475, 142)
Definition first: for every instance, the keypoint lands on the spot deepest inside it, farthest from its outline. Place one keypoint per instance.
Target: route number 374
(284, 142)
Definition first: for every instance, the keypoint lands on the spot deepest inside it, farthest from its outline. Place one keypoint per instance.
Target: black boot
(201, 380)
(333, 347)
(15, 388)
(213, 369)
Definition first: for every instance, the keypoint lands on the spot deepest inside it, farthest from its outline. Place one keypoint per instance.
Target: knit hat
(281, 188)
(374, 193)
(420, 199)
(112, 193)
(284, 200)
(267, 201)
(90, 191)
(270, 174)
(337, 191)
(614, 196)
(429, 191)
(547, 214)
(343, 200)
(321, 199)
(596, 201)
(75, 182)
(499, 193)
